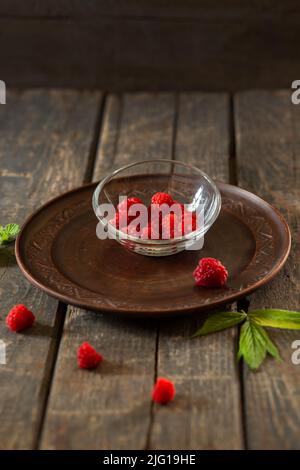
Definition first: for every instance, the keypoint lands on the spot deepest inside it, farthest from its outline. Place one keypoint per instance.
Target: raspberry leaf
(220, 321)
(254, 344)
(8, 233)
(276, 318)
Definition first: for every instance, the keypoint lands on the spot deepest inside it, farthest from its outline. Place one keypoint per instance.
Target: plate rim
(151, 312)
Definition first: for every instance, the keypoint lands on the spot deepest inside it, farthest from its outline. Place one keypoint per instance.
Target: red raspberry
(210, 272)
(189, 222)
(177, 203)
(150, 232)
(170, 227)
(116, 221)
(163, 391)
(19, 318)
(88, 357)
(130, 201)
(133, 231)
(162, 198)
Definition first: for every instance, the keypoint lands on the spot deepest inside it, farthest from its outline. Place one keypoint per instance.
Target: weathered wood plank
(44, 149)
(204, 369)
(110, 409)
(268, 138)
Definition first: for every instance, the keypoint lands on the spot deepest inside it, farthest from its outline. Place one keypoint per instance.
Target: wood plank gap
(118, 126)
(232, 169)
(242, 304)
(152, 414)
(95, 142)
(49, 370)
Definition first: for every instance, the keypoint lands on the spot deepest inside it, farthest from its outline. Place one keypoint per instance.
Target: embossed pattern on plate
(59, 252)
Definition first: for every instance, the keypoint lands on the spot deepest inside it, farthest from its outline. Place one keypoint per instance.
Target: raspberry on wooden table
(19, 318)
(88, 357)
(163, 391)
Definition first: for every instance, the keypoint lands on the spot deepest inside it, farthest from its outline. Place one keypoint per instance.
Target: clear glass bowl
(185, 183)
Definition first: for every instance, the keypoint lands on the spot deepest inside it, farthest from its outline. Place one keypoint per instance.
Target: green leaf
(251, 345)
(275, 318)
(220, 321)
(270, 346)
(8, 233)
(254, 344)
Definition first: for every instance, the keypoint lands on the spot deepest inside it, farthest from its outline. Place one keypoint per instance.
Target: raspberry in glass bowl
(156, 207)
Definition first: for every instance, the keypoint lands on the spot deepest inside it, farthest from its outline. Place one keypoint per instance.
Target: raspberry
(133, 231)
(170, 227)
(118, 222)
(163, 391)
(210, 272)
(150, 232)
(88, 357)
(189, 222)
(178, 204)
(19, 318)
(162, 198)
(115, 222)
(126, 203)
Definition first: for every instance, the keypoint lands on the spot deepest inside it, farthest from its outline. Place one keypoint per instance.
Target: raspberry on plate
(163, 391)
(162, 198)
(88, 357)
(210, 272)
(19, 318)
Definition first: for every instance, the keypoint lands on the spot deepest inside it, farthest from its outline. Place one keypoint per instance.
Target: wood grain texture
(204, 369)
(144, 46)
(44, 149)
(110, 408)
(268, 155)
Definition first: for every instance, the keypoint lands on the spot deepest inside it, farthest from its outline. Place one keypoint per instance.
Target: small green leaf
(8, 233)
(220, 321)
(251, 345)
(270, 346)
(275, 318)
(254, 344)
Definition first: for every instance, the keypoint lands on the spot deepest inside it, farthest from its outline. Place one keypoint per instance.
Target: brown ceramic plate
(59, 252)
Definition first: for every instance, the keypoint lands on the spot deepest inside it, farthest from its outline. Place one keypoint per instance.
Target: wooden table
(55, 140)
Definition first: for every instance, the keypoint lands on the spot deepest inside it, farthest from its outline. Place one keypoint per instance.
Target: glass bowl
(185, 183)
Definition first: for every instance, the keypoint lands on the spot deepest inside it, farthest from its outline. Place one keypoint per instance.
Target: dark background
(150, 45)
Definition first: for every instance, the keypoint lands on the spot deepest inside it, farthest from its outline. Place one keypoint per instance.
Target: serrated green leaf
(220, 321)
(8, 233)
(270, 346)
(12, 229)
(251, 346)
(276, 318)
(254, 344)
